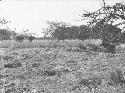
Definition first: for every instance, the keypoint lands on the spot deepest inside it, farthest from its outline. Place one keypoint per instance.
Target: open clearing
(58, 70)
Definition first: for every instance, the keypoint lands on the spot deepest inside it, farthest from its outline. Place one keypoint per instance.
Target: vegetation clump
(12, 65)
(90, 83)
(19, 38)
(116, 77)
(31, 38)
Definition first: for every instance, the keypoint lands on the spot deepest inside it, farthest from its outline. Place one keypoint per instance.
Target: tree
(74, 32)
(84, 32)
(102, 22)
(5, 33)
(52, 26)
(59, 33)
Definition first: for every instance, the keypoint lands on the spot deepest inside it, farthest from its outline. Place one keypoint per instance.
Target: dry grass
(58, 69)
(39, 43)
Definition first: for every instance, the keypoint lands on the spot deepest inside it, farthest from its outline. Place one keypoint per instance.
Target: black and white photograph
(62, 46)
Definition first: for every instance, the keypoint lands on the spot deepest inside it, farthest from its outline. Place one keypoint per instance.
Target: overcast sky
(32, 14)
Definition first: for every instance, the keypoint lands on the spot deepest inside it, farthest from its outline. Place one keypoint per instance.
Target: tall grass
(39, 43)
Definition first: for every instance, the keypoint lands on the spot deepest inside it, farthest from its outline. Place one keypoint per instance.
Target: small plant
(110, 47)
(83, 82)
(93, 47)
(69, 49)
(7, 57)
(116, 78)
(12, 65)
(50, 73)
(35, 65)
(92, 82)
(26, 56)
(82, 47)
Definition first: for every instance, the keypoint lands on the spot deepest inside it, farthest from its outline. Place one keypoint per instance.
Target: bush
(83, 47)
(31, 38)
(19, 38)
(92, 82)
(116, 77)
(12, 65)
(7, 57)
(110, 47)
(92, 47)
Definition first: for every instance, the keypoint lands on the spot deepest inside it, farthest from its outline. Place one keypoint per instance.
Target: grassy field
(39, 67)
(46, 43)
(39, 43)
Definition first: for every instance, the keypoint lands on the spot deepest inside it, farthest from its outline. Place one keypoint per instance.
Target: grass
(33, 67)
(47, 43)
(39, 43)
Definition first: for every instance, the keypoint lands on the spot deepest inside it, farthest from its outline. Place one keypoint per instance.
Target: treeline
(108, 33)
(6, 34)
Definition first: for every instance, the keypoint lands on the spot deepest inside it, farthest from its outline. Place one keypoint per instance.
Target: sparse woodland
(68, 59)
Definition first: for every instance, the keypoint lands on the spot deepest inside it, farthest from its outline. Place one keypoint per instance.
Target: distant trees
(61, 31)
(31, 38)
(5, 33)
(24, 36)
(52, 26)
(74, 32)
(85, 32)
(101, 25)
(19, 38)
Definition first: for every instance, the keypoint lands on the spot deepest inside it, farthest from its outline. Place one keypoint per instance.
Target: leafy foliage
(31, 38)
(107, 14)
(19, 38)
(5, 34)
(84, 32)
(103, 26)
(12, 65)
(62, 31)
(83, 47)
(52, 26)
(92, 82)
(116, 77)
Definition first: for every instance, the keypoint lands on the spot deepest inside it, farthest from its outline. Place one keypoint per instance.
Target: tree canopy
(103, 21)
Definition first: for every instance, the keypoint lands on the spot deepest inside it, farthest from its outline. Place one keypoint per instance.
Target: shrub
(19, 38)
(31, 38)
(93, 47)
(83, 47)
(116, 77)
(50, 73)
(12, 65)
(110, 47)
(7, 57)
(92, 82)
(35, 64)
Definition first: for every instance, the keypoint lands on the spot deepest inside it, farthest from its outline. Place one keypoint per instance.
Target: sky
(33, 14)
